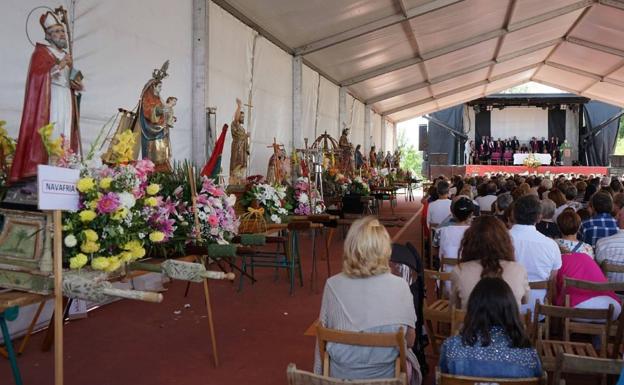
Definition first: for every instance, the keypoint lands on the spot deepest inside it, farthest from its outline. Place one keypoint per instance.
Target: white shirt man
(485, 203)
(611, 249)
(539, 255)
(438, 211)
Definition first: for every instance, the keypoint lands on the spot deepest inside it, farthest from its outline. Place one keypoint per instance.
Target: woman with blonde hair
(366, 297)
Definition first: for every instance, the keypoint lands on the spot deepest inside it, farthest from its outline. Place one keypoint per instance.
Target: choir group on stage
(488, 150)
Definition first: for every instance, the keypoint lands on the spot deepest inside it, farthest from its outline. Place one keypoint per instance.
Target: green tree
(411, 158)
(619, 143)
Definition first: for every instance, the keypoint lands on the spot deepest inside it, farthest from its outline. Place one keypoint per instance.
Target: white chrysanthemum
(127, 200)
(275, 218)
(303, 198)
(231, 200)
(70, 240)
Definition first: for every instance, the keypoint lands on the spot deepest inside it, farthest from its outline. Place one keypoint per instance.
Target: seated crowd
(495, 235)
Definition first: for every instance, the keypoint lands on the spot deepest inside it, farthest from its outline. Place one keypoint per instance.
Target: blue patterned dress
(495, 360)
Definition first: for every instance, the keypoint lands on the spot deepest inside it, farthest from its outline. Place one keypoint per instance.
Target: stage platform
(473, 169)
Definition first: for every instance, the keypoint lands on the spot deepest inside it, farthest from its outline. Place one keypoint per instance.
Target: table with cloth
(543, 158)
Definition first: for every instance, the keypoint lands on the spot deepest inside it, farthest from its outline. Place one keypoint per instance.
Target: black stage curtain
(483, 125)
(598, 147)
(556, 124)
(440, 139)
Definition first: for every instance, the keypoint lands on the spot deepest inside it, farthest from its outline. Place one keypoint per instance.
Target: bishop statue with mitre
(49, 97)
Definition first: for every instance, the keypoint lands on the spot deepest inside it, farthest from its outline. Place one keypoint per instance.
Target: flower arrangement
(531, 162)
(53, 147)
(359, 186)
(120, 214)
(305, 198)
(7, 149)
(272, 199)
(7, 144)
(123, 149)
(215, 210)
(59, 152)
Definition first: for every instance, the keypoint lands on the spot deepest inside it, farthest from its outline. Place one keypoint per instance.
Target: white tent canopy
(410, 57)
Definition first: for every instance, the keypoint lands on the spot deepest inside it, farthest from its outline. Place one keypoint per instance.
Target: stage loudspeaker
(438, 159)
(423, 143)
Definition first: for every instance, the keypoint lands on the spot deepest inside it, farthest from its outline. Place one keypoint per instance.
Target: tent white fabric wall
(116, 51)
(389, 137)
(229, 70)
(376, 131)
(320, 105)
(309, 100)
(230, 76)
(328, 109)
(355, 120)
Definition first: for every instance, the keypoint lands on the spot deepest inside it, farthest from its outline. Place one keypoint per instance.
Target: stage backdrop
(523, 122)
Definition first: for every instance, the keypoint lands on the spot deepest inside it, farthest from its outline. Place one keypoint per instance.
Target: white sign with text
(57, 188)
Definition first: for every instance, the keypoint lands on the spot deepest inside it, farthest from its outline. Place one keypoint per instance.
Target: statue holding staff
(240, 147)
(50, 97)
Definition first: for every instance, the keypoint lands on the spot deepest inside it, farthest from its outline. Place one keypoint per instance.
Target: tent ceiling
(410, 57)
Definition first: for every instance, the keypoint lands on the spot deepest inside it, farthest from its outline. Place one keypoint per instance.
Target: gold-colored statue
(240, 147)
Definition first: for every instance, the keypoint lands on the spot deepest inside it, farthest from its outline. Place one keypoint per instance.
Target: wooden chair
(301, 377)
(608, 267)
(396, 340)
(544, 285)
(614, 330)
(448, 262)
(433, 251)
(457, 319)
(450, 379)
(548, 348)
(438, 311)
(570, 363)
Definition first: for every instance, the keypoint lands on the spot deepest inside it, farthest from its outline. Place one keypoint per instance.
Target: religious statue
(156, 118)
(396, 159)
(346, 152)
(372, 157)
(388, 160)
(380, 159)
(359, 158)
(240, 147)
(51, 85)
(279, 169)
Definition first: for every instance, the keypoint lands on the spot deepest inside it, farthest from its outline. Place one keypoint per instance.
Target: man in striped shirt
(601, 224)
(611, 249)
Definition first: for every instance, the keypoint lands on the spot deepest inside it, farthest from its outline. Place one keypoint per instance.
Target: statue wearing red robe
(30, 151)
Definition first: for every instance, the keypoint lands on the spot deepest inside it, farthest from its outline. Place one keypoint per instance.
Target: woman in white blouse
(451, 236)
